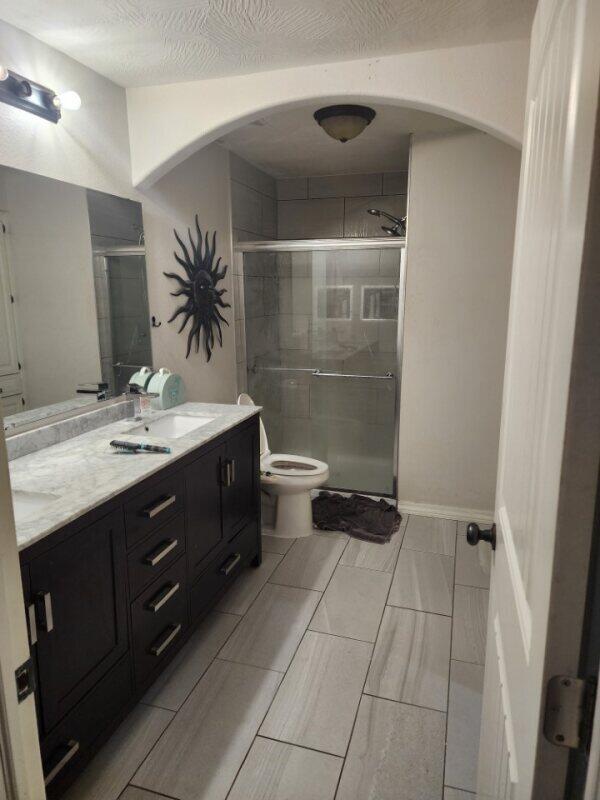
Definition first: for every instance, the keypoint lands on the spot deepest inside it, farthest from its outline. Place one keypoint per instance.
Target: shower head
(399, 225)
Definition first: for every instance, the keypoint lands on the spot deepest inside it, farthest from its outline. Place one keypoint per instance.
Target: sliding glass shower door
(322, 353)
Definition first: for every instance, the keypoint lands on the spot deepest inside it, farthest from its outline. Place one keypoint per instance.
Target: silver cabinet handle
(230, 564)
(160, 598)
(232, 470)
(153, 511)
(44, 611)
(31, 624)
(157, 649)
(161, 551)
(66, 753)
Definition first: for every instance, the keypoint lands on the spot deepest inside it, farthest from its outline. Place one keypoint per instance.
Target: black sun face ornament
(203, 299)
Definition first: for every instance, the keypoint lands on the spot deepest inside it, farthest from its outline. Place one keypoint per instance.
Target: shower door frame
(373, 243)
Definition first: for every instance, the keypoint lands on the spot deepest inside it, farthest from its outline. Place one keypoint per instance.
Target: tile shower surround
(262, 703)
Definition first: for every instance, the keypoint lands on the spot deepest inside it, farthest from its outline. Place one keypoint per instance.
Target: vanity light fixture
(30, 96)
(344, 122)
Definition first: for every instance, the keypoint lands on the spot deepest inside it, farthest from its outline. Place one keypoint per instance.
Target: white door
(548, 457)
(21, 773)
(9, 362)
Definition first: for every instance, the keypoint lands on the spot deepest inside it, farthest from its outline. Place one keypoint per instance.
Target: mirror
(74, 318)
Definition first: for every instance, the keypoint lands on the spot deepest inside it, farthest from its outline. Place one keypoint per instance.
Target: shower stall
(321, 341)
(122, 312)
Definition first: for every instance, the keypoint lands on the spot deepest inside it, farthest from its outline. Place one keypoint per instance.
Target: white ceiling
(290, 143)
(145, 42)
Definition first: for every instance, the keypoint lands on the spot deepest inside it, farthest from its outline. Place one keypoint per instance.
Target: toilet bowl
(289, 479)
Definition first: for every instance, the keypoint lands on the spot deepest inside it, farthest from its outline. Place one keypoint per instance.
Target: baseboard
(447, 512)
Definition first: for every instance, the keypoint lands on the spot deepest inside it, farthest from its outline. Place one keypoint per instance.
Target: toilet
(290, 480)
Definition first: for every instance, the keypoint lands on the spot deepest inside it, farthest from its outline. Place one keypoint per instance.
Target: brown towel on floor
(358, 516)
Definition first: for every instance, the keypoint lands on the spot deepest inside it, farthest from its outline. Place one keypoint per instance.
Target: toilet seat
(292, 466)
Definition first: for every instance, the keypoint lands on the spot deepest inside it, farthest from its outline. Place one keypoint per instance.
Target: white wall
(198, 186)
(51, 262)
(462, 206)
(89, 147)
(483, 85)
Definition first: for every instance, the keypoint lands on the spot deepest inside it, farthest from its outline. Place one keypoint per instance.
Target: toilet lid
(292, 465)
(245, 400)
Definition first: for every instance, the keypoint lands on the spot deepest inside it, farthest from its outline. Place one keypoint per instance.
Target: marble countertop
(86, 471)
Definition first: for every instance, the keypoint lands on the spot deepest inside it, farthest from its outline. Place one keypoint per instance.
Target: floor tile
(411, 660)
(200, 754)
(278, 771)
(317, 700)
(112, 768)
(353, 603)
(431, 535)
(464, 718)
(172, 687)
(276, 544)
(423, 581)
(470, 624)
(247, 585)
(457, 794)
(309, 564)
(370, 555)
(270, 632)
(397, 751)
(472, 563)
(133, 793)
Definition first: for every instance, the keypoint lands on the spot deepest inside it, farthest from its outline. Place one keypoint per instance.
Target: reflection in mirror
(74, 319)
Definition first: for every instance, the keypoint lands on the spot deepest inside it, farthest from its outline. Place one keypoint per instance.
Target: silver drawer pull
(44, 611)
(230, 564)
(162, 597)
(161, 551)
(66, 753)
(31, 622)
(153, 511)
(157, 649)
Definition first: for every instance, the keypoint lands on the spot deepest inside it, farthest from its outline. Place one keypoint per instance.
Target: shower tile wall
(335, 206)
(254, 217)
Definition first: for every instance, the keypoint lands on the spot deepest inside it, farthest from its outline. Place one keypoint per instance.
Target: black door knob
(476, 535)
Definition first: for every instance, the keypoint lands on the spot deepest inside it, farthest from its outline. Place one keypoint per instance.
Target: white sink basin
(26, 504)
(171, 426)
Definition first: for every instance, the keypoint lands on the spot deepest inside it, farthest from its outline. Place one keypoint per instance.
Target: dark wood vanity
(112, 597)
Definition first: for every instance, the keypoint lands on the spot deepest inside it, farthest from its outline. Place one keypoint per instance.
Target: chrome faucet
(135, 394)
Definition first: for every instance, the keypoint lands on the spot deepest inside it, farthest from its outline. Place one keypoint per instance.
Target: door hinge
(25, 680)
(569, 711)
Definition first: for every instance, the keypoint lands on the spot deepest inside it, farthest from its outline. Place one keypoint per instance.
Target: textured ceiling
(290, 143)
(144, 42)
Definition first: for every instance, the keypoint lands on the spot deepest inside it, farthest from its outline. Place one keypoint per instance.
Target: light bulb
(4, 73)
(67, 100)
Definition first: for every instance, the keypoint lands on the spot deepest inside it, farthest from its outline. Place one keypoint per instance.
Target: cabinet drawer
(154, 506)
(159, 618)
(150, 558)
(69, 744)
(224, 568)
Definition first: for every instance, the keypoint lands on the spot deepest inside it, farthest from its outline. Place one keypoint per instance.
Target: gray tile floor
(338, 670)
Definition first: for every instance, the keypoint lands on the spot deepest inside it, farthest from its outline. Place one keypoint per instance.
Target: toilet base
(293, 516)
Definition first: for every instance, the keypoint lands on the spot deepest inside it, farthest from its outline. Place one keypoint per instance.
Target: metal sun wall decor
(203, 299)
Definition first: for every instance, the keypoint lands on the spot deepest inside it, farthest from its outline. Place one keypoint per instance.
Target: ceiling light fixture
(344, 122)
(20, 92)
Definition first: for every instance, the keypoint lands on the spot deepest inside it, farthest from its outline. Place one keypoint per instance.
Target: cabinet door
(79, 592)
(203, 507)
(241, 480)
(9, 362)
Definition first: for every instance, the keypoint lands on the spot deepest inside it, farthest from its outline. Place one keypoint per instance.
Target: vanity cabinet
(113, 596)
